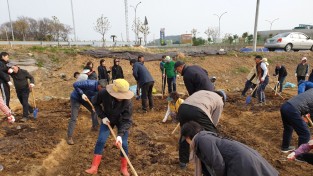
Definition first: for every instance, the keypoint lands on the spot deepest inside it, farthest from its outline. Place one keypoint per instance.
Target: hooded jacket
(196, 78)
(225, 157)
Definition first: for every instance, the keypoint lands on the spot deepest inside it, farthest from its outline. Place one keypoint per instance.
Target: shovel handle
(175, 128)
(122, 150)
(309, 119)
(33, 95)
(92, 107)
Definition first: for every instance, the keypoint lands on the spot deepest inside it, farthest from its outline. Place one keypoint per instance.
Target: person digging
(115, 108)
(174, 101)
(20, 78)
(82, 93)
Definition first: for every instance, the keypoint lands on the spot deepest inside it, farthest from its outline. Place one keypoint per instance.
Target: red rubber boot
(95, 164)
(124, 167)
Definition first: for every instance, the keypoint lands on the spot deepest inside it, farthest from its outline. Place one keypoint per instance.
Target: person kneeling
(214, 155)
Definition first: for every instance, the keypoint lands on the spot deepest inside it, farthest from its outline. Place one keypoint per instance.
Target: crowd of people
(108, 99)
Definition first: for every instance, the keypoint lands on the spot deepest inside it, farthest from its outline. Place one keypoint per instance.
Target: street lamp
(73, 21)
(10, 20)
(271, 22)
(219, 23)
(255, 36)
(136, 29)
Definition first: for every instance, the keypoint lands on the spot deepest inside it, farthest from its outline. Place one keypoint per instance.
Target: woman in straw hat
(114, 107)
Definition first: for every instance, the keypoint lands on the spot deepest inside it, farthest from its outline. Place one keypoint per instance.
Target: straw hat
(120, 89)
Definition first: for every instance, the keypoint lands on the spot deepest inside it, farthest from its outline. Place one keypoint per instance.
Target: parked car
(289, 41)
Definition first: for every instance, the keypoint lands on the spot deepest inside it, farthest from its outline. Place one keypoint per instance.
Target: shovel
(175, 128)
(278, 93)
(249, 97)
(35, 112)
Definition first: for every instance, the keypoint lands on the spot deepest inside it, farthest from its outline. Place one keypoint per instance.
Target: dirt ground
(39, 147)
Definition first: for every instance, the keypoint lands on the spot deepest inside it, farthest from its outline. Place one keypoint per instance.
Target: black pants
(5, 90)
(308, 157)
(171, 84)
(146, 93)
(22, 96)
(188, 113)
(300, 78)
(248, 85)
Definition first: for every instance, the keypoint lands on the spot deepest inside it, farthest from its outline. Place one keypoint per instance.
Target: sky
(176, 16)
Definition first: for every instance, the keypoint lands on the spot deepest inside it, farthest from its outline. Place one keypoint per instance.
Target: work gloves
(31, 85)
(10, 70)
(11, 119)
(105, 121)
(84, 97)
(118, 141)
(296, 75)
(10, 83)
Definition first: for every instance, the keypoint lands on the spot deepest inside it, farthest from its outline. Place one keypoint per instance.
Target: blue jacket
(304, 86)
(141, 74)
(87, 87)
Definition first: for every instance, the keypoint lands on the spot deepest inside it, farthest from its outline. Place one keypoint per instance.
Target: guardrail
(81, 43)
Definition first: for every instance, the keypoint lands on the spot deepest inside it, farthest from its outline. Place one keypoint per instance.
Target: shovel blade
(35, 113)
(248, 99)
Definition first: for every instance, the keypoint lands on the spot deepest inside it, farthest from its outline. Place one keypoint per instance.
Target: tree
(194, 32)
(235, 37)
(250, 38)
(245, 35)
(136, 26)
(21, 27)
(212, 33)
(144, 29)
(102, 26)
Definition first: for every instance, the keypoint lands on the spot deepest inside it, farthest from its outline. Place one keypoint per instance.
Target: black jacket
(21, 79)
(303, 102)
(117, 72)
(119, 113)
(4, 76)
(103, 73)
(229, 157)
(196, 78)
(281, 72)
(92, 75)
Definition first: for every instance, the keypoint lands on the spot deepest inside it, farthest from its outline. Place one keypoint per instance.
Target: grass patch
(40, 63)
(38, 49)
(241, 69)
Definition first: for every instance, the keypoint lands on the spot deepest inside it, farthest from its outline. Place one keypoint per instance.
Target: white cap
(304, 58)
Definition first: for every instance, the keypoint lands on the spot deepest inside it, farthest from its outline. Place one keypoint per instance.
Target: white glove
(11, 119)
(262, 79)
(84, 97)
(10, 70)
(10, 83)
(118, 141)
(31, 85)
(105, 121)
(291, 156)
(307, 75)
(295, 74)
(177, 76)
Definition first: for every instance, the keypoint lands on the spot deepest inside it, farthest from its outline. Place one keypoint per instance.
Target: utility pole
(10, 20)
(75, 39)
(219, 23)
(271, 22)
(126, 20)
(255, 37)
(136, 28)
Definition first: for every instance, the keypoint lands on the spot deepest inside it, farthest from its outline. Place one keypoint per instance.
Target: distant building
(304, 26)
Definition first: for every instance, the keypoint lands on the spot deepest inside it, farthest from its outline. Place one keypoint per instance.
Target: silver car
(289, 41)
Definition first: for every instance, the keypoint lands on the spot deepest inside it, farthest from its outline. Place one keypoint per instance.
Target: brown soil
(39, 147)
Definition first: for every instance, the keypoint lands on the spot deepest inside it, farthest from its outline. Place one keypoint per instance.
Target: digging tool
(278, 93)
(249, 97)
(35, 112)
(276, 87)
(122, 150)
(309, 120)
(1, 167)
(175, 128)
(92, 107)
(163, 82)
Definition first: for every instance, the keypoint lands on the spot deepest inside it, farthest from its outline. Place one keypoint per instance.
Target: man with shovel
(115, 108)
(281, 72)
(262, 75)
(204, 107)
(20, 78)
(81, 95)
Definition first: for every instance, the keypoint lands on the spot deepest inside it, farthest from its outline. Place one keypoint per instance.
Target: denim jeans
(75, 104)
(146, 93)
(292, 120)
(260, 91)
(23, 95)
(171, 84)
(102, 138)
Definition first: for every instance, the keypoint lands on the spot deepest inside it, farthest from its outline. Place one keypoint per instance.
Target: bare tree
(212, 33)
(136, 26)
(145, 30)
(21, 28)
(194, 32)
(102, 26)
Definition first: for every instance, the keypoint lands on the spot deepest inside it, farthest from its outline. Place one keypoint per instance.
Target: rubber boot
(124, 167)
(95, 164)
